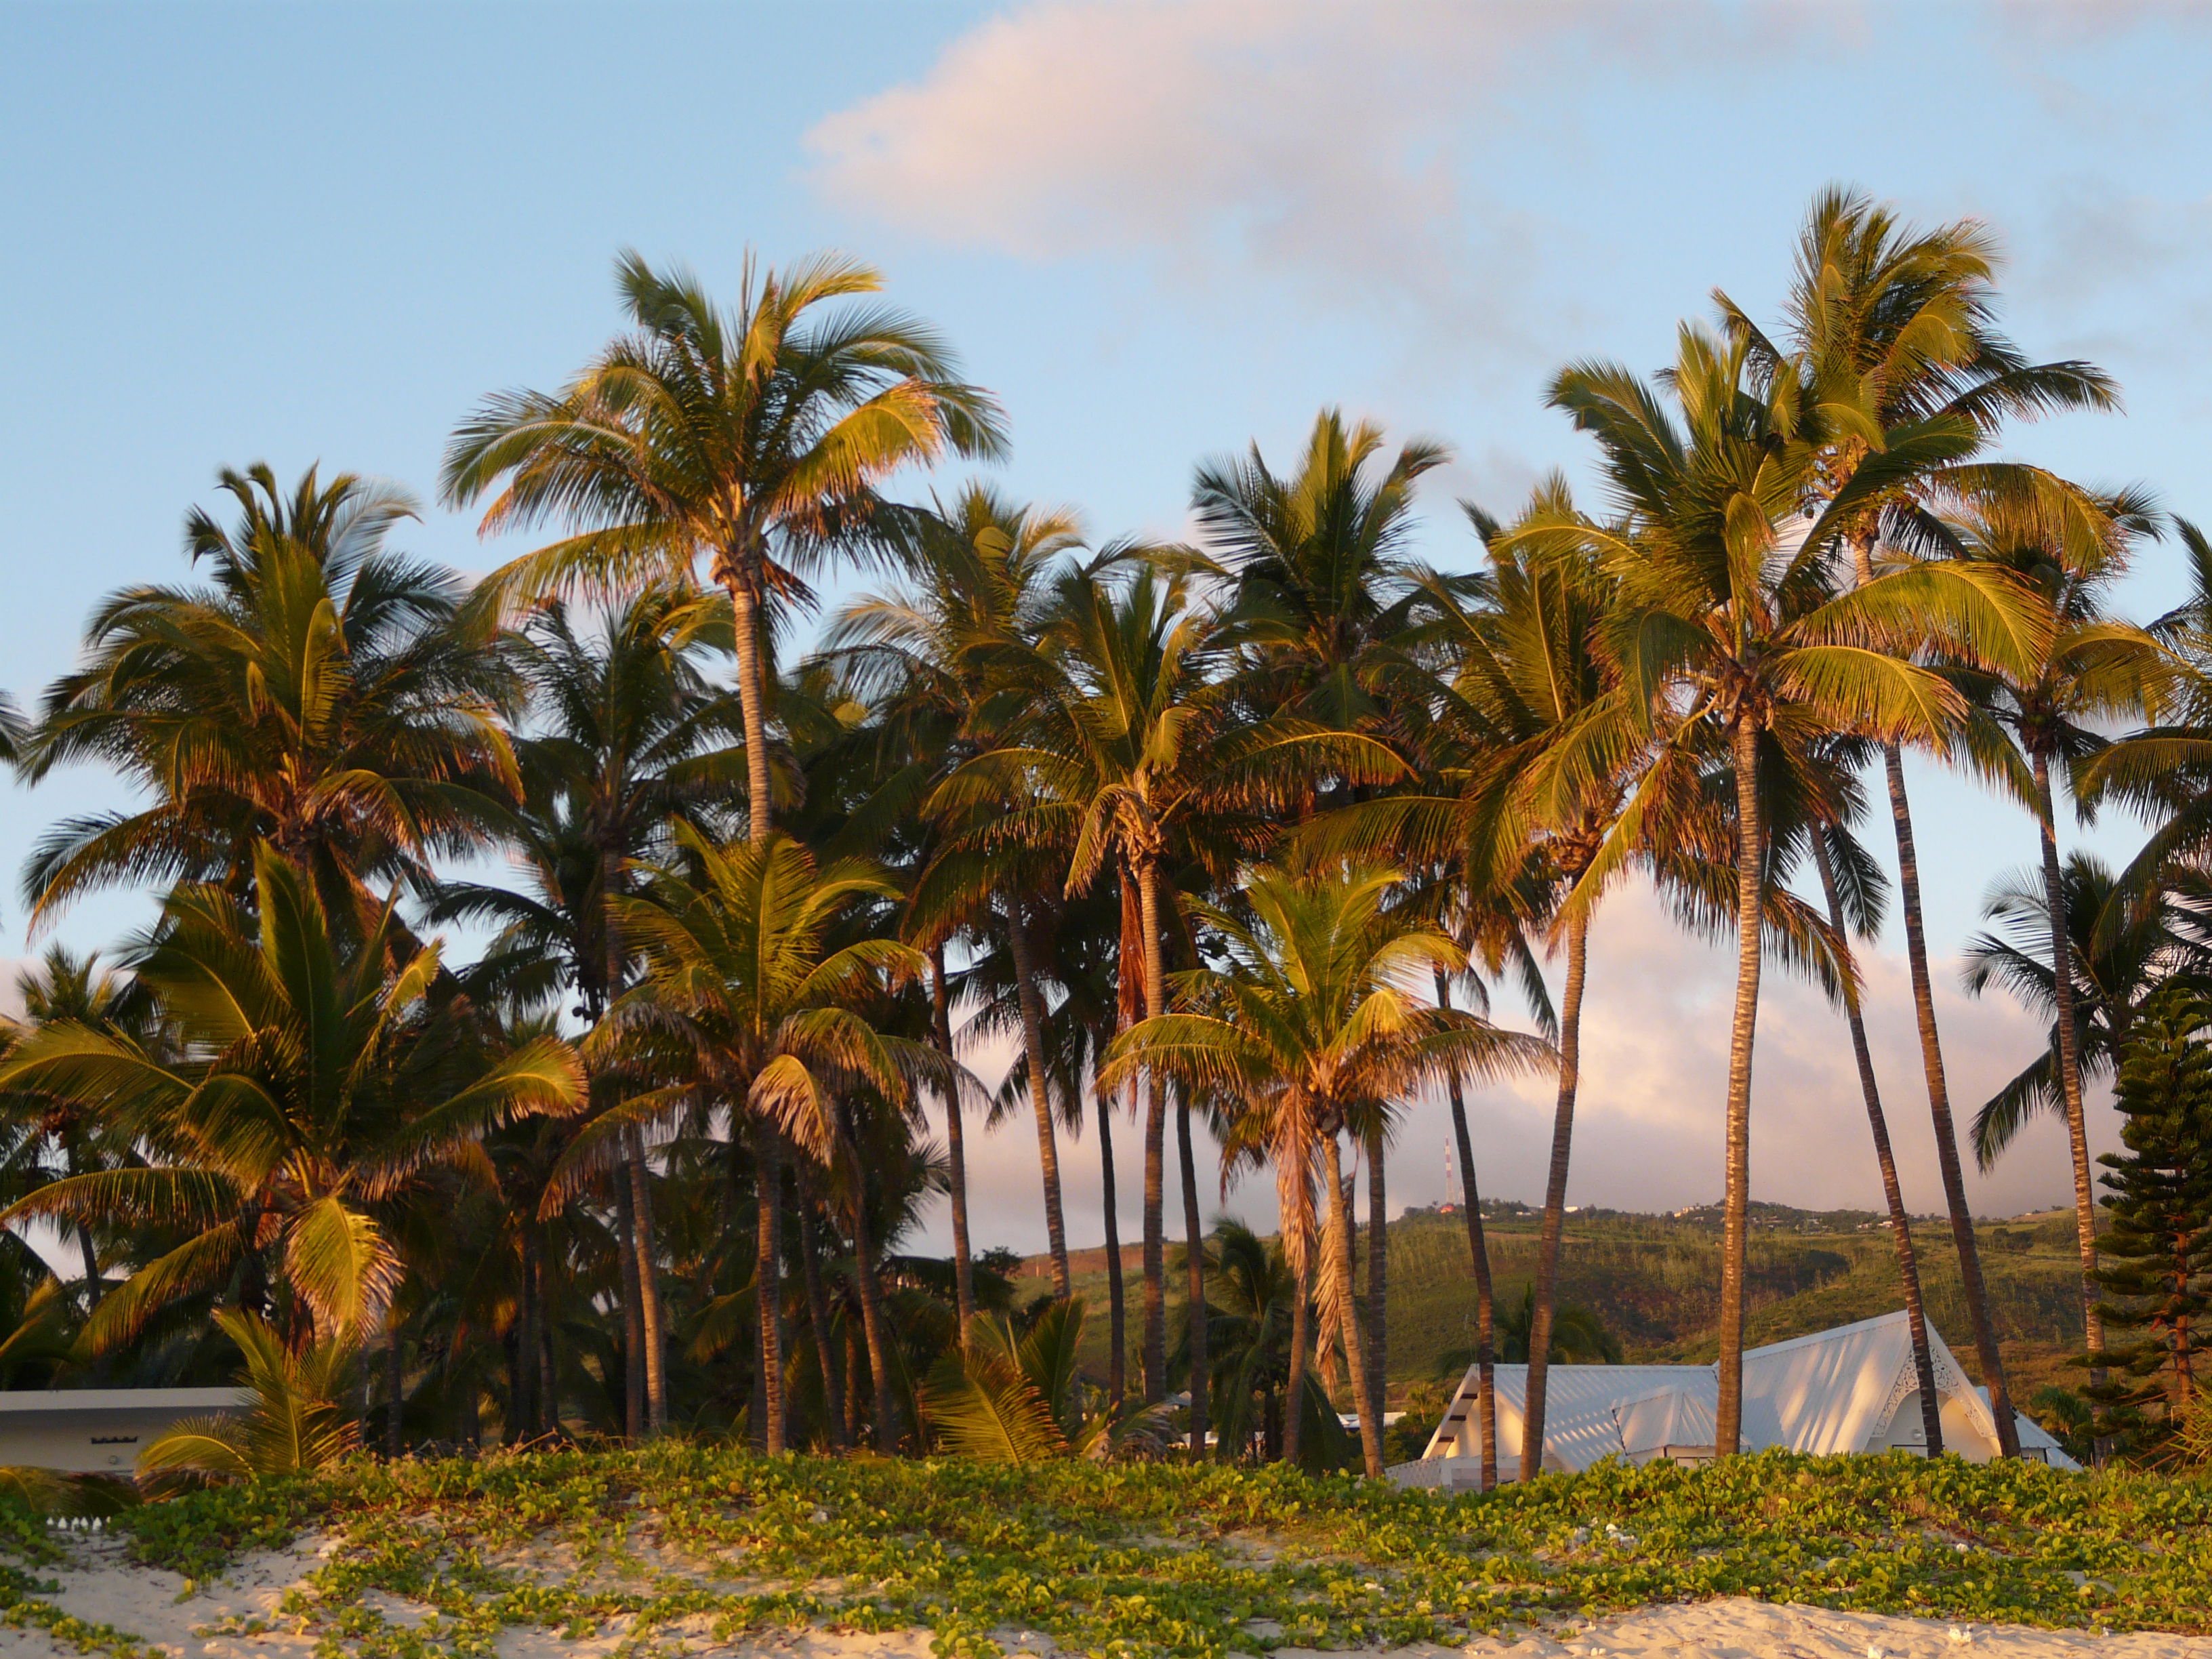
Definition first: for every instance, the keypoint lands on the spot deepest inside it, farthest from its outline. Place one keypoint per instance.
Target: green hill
(1654, 1280)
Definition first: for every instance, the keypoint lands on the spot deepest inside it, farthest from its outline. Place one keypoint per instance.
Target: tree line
(1232, 839)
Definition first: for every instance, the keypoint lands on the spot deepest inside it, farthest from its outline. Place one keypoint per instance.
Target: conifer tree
(2155, 1256)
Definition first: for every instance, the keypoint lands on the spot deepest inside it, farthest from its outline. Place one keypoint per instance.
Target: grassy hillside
(1655, 1282)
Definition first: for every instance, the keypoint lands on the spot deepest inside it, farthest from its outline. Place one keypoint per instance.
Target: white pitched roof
(1833, 1391)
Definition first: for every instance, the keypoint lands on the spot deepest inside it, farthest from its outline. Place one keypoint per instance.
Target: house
(95, 1431)
(1851, 1390)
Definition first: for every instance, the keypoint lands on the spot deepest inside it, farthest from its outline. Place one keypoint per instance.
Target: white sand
(99, 1586)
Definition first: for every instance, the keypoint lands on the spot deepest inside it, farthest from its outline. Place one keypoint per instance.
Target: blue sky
(319, 232)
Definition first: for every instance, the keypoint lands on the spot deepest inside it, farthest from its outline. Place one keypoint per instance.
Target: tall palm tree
(754, 438)
(979, 577)
(1734, 632)
(626, 734)
(1850, 891)
(1533, 757)
(750, 972)
(1496, 935)
(289, 1117)
(1322, 588)
(1318, 1014)
(1892, 330)
(1128, 753)
(2095, 670)
(314, 695)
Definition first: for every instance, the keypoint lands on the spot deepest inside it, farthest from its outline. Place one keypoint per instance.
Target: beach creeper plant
(1142, 1559)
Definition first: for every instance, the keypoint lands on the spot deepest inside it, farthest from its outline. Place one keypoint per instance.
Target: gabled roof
(1833, 1391)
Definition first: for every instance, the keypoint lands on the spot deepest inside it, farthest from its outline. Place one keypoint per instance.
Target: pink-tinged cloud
(1342, 145)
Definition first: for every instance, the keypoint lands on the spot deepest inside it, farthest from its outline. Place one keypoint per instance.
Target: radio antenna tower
(1451, 1191)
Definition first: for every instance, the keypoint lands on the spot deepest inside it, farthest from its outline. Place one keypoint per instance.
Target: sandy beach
(238, 1617)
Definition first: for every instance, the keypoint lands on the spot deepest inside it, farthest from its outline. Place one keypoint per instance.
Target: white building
(95, 1431)
(1851, 1390)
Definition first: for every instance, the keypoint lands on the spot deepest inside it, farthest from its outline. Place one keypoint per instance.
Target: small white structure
(95, 1431)
(1851, 1390)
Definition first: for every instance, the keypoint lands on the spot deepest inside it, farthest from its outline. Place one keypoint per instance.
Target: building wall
(44, 1432)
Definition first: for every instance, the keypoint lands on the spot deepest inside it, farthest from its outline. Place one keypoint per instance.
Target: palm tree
(287, 1118)
(1893, 332)
(1126, 752)
(314, 695)
(1835, 850)
(1578, 1337)
(2124, 944)
(1018, 1399)
(1496, 935)
(1526, 770)
(627, 735)
(1318, 561)
(746, 998)
(1315, 1017)
(977, 588)
(1731, 628)
(51, 1135)
(1322, 591)
(754, 438)
(1250, 1321)
(2094, 671)
(296, 1421)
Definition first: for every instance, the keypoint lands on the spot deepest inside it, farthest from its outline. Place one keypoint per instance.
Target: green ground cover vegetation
(1164, 1557)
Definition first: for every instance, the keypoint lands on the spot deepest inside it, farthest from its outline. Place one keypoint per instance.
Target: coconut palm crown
(311, 1082)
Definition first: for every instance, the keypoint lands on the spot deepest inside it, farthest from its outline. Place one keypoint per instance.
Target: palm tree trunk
(817, 1314)
(1129, 1008)
(767, 1286)
(1378, 1284)
(955, 1147)
(633, 1324)
(1156, 1119)
(252, 1271)
(1294, 1388)
(2070, 1060)
(871, 1320)
(549, 1370)
(1736, 1198)
(1339, 1204)
(648, 1300)
(854, 1360)
(1555, 1198)
(1900, 1223)
(1117, 1338)
(1939, 1109)
(1478, 1250)
(1194, 1276)
(752, 707)
(394, 1379)
(1032, 1007)
(522, 1370)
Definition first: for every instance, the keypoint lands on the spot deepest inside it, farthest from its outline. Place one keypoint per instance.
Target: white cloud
(1343, 146)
